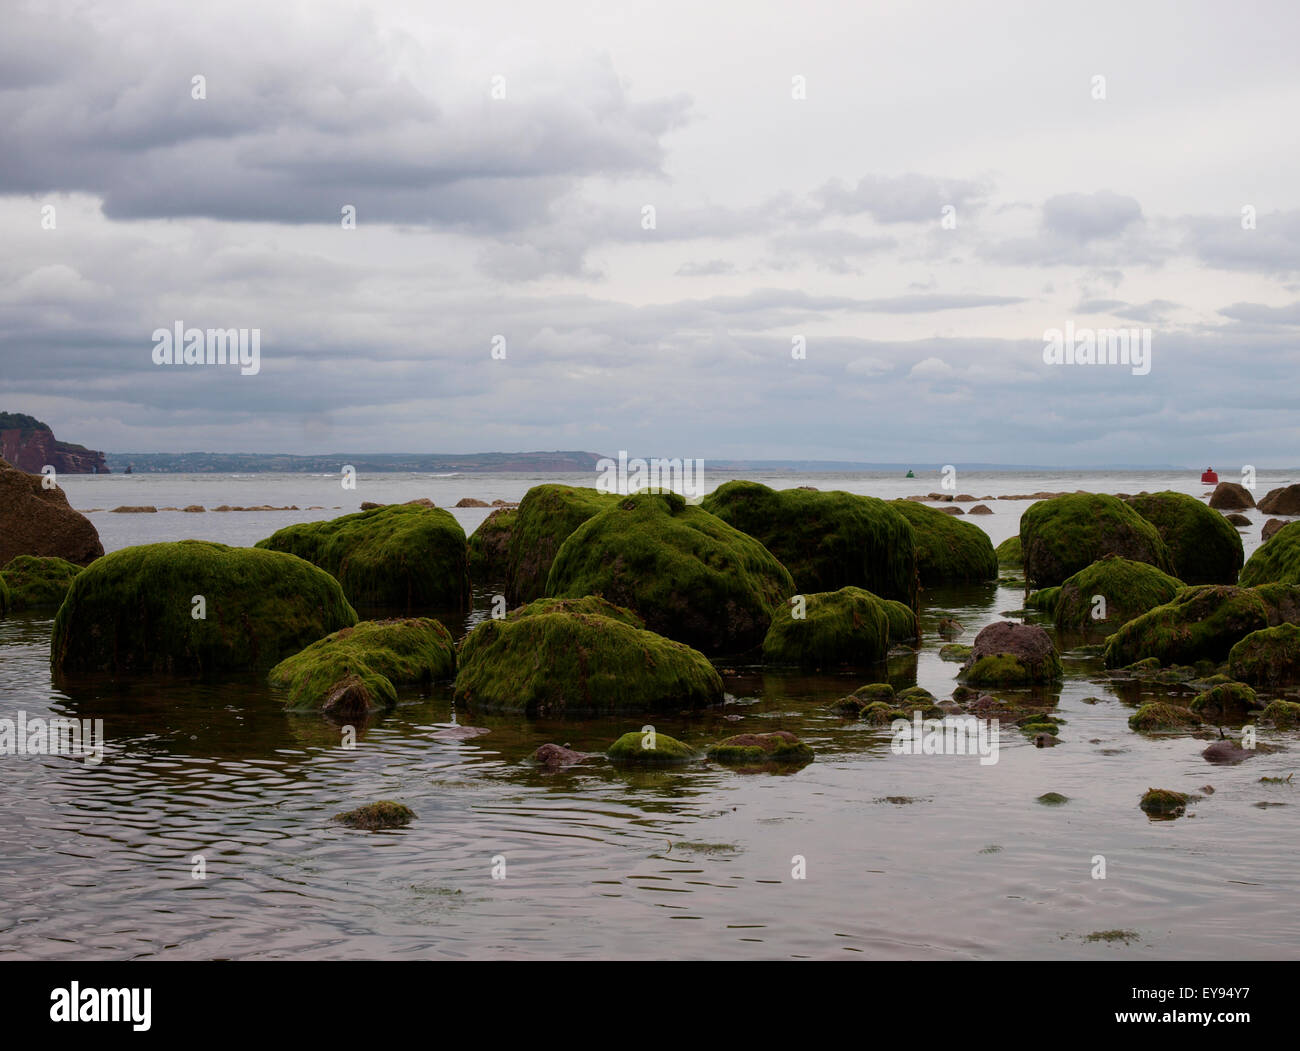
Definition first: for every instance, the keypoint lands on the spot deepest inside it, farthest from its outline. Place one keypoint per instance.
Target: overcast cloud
(637, 201)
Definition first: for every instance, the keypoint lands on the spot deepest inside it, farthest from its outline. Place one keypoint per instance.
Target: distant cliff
(30, 445)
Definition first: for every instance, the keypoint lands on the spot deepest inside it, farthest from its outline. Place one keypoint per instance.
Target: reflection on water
(905, 856)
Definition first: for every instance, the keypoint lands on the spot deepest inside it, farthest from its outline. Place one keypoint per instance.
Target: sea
(206, 831)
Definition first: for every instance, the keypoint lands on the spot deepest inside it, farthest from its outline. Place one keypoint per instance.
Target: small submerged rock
(1052, 799)
(1163, 803)
(780, 746)
(556, 756)
(650, 748)
(1227, 752)
(375, 816)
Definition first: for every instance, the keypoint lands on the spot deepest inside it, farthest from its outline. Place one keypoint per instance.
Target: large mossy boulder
(827, 540)
(396, 557)
(1203, 545)
(488, 549)
(1010, 654)
(545, 518)
(35, 520)
(379, 655)
(1068, 533)
(133, 612)
(1128, 589)
(1276, 562)
(1267, 658)
(1227, 702)
(556, 663)
(1200, 623)
(38, 582)
(1009, 552)
(689, 574)
(592, 604)
(848, 628)
(948, 551)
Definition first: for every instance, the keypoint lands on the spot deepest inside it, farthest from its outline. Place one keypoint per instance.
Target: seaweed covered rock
(356, 669)
(375, 816)
(1276, 562)
(691, 576)
(488, 549)
(1199, 623)
(1229, 496)
(5, 597)
(1203, 545)
(134, 612)
(39, 521)
(778, 747)
(543, 521)
(903, 624)
(845, 628)
(1227, 702)
(1159, 715)
(1068, 533)
(1285, 715)
(403, 557)
(1007, 654)
(1127, 589)
(1284, 500)
(592, 604)
(647, 747)
(948, 551)
(1269, 657)
(1161, 802)
(827, 540)
(38, 582)
(557, 663)
(1009, 552)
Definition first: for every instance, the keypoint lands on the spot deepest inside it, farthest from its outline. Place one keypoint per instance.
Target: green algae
(1269, 657)
(1277, 561)
(545, 518)
(1285, 715)
(689, 574)
(131, 612)
(780, 746)
(555, 663)
(373, 817)
(827, 540)
(591, 604)
(1052, 799)
(1159, 715)
(1229, 702)
(1201, 622)
(1204, 547)
(1009, 552)
(1164, 803)
(650, 748)
(845, 628)
(36, 582)
(1006, 669)
(1127, 589)
(1068, 533)
(381, 654)
(487, 552)
(403, 557)
(948, 550)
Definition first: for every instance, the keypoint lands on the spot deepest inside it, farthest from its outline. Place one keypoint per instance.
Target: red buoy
(1209, 477)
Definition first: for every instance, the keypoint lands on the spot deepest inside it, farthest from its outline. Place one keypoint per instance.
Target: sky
(832, 231)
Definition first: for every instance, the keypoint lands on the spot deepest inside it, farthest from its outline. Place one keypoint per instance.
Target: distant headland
(30, 445)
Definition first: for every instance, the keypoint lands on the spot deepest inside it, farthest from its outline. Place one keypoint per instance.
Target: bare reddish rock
(32, 448)
(1282, 501)
(981, 509)
(1229, 496)
(39, 521)
(128, 510)
(951, 510)
(469, 501)
(1270, 527)
(194, 508)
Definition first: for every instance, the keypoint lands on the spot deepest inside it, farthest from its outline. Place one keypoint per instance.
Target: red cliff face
(31, 449)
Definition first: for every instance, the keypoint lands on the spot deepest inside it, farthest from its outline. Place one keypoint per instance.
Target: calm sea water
(905, 857)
